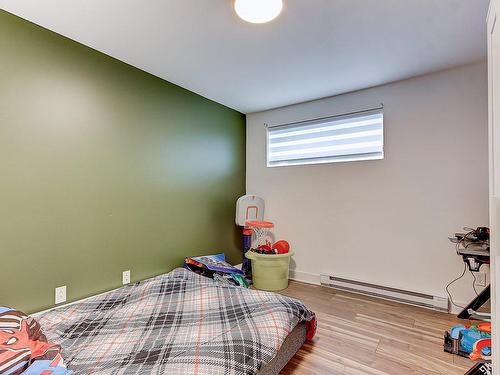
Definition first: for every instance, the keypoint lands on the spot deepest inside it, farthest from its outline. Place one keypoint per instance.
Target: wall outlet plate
(480, 279)
(60, 294)
(126, 277)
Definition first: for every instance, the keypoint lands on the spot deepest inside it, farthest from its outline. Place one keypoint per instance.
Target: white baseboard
(311, 278)
(305, 277)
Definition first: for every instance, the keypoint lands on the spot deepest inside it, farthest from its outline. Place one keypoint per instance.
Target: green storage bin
(269, 272)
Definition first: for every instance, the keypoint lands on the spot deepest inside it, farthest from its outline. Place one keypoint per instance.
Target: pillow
(23, 344)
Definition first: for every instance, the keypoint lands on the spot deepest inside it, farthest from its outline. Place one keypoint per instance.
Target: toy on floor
(473, 342)
(481, 350)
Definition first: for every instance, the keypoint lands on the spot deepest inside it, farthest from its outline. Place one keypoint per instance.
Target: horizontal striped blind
(356, 136)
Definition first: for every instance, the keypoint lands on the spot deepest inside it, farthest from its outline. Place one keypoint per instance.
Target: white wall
(387, 221)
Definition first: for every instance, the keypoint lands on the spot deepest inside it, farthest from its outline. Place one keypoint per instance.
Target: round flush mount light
(258, 11)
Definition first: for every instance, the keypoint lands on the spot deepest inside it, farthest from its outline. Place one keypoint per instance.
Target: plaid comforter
(177, 323)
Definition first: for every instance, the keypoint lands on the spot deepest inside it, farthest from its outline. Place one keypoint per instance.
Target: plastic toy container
(269, 272)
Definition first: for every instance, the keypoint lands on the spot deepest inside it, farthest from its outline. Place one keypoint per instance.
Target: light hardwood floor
(363, 335)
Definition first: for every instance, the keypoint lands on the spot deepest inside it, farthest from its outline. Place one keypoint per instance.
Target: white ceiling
(316, 48)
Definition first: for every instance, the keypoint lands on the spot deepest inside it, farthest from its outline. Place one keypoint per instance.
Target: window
(355, 136)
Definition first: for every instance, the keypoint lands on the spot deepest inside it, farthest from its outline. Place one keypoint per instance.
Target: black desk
(474, 258)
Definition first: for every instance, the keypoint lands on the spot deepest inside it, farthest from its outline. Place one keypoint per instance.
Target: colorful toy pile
(473, 342)
(263, 239)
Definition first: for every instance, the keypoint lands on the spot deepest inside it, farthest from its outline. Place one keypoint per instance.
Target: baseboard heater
(393, 294)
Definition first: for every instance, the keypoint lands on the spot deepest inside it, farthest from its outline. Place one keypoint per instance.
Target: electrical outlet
(60, 294)
(126, 277)
(481, 279)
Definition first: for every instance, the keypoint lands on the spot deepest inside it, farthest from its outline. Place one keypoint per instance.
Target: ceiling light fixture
(258, 11)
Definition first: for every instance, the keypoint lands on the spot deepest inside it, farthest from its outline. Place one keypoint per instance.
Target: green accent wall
(105, 168)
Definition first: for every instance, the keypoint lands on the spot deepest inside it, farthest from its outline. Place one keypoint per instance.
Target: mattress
(291, 345)
(179, 323)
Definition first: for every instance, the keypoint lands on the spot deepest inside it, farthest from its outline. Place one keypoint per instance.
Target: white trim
(305, 277)
(35, 314)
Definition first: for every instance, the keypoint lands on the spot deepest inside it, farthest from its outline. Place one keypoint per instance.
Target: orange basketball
(281, 247)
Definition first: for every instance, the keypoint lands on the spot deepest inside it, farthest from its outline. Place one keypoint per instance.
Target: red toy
(264, 249)
(477, 352)
(281, 247)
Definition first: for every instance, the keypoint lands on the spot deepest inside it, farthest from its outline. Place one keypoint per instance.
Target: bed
(180, 323)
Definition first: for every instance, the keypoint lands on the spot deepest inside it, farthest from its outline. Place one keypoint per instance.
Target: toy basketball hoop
(261, 232)
(249, 208)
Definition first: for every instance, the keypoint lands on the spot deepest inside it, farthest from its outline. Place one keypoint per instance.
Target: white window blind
(356, 136)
